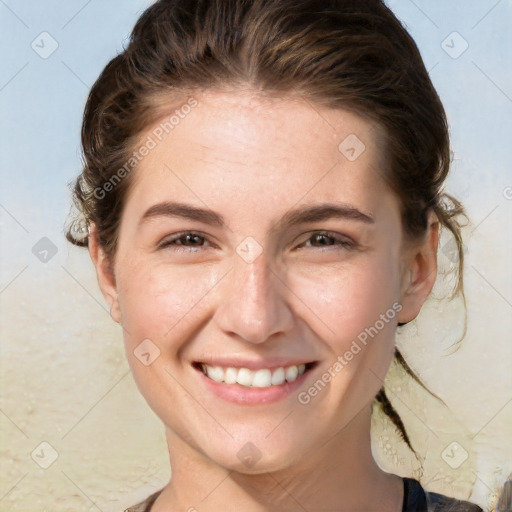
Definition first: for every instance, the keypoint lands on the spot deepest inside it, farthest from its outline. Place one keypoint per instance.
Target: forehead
(260, 151)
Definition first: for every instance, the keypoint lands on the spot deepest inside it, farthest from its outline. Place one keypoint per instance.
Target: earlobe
(420, 271)
(104, 273)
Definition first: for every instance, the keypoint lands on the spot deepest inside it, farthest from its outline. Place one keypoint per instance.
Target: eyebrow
(301, 215)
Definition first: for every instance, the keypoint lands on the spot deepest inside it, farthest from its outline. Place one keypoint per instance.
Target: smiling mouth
(262, 378)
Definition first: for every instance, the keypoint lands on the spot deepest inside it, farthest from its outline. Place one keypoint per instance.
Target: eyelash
(339, 243)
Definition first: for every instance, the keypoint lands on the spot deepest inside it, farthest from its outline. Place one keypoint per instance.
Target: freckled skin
(251, 159)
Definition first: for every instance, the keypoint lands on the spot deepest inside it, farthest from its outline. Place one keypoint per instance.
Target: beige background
(64, 378)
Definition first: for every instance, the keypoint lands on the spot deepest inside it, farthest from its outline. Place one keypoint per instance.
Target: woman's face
(259, 244)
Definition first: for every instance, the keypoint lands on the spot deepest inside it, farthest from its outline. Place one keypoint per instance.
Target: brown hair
(347, 54)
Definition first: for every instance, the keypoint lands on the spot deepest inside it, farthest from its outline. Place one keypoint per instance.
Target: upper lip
(254, 364)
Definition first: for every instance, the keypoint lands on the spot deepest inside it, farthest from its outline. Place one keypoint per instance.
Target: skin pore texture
(252, 159)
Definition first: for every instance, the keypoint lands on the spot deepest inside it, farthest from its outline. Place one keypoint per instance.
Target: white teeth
(244, 377)
(278, 377)
(230, 375)
(262, 378)
(215, 373)
(291, 373)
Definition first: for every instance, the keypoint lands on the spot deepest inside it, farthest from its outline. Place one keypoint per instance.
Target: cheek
(155, 300)
(355, 311)
(350, 298)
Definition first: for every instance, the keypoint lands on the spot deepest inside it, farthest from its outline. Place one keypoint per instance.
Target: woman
(262, 196)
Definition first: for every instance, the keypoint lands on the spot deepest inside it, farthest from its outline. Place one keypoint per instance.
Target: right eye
(189, 241)
(335, 241)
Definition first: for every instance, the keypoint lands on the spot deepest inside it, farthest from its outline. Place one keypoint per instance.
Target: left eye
(326, 239)
(184, 241)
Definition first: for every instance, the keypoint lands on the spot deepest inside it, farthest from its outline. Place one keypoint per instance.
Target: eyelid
(169, 241)
(342, 241)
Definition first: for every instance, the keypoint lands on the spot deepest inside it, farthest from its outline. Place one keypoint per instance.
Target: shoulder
(442, 503)
(416, 499)
(144, 506)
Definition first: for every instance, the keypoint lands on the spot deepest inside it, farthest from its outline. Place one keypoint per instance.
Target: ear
(104, 273)
(419, 270)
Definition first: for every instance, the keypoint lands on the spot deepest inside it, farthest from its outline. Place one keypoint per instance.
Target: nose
(253, 304)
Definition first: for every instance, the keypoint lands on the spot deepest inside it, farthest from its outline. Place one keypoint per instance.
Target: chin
(255, 455)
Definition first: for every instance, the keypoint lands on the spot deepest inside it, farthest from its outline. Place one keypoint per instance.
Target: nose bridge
(253, 306)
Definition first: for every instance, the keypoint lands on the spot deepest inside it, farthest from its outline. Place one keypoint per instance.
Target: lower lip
(243, 395)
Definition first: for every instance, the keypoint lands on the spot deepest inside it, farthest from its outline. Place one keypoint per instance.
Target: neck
(340, 475)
